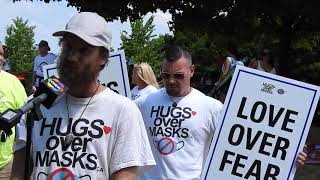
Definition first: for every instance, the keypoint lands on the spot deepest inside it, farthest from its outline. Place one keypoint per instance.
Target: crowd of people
(93, 132)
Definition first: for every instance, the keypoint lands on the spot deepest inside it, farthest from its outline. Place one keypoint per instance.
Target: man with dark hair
(44, 58)
(93, 132)
(180, 121)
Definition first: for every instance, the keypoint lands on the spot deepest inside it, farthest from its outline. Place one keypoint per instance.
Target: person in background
(44, 58)
(92, 132)
(5, 65)
(12, 95)
(266, 63)
(144, 79)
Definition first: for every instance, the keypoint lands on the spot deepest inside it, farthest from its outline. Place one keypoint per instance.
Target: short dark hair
(176, 52)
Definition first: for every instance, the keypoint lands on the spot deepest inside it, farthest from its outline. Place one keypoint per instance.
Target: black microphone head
(53, 87)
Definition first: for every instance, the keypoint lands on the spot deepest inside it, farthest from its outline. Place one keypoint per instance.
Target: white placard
(263, 127)
(115, 75)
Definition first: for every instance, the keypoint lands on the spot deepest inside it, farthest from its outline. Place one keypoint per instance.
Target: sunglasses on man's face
(178, 76)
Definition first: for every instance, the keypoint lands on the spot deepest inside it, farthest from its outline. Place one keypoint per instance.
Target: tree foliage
(142, 45)
(20, 41)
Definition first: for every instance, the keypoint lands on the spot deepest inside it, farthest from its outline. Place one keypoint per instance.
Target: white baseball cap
(90, 27)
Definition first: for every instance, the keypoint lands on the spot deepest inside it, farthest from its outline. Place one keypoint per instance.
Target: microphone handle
(31, 104)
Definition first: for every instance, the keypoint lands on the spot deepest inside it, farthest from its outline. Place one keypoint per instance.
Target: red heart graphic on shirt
(106, 129)
(193, 113)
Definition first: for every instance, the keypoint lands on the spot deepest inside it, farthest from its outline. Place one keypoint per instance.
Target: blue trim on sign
(314, 90)
(123, 79)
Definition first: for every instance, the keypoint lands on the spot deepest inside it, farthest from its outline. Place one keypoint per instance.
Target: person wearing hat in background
(44, 58)
(5, 66)
(12, 95)
(92, 132)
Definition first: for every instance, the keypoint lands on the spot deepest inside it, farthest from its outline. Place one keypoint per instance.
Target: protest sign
(114, 76)
(263, 127)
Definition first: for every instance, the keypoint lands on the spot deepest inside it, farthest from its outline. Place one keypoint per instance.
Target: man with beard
(180, 121)
(92, 133)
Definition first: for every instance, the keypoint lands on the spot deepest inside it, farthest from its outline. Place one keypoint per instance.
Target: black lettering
(238, 164)
(176, 132)
(77, 159)
(273, 175)
(97, 128)
(254, 110)
(58, 131)
(231, 134)
(52, 143)
(54, 158)
(82, 127)
(240, 111)
(177, 114)
(278, 147)
(157, 121)
(168, 131)
(273, 121)
(174, 123)
(112, 85)
(50, 126)
(185, 132)
(251, 143)
(187, 113)
(40, 161)
(287, 119)
(153, 110)
(66, 156)
(163, 113)
(257, 174)
(265, 143)
(91, 159)
(85, 143)
(153, 131)
(76, 144)
(225, 159)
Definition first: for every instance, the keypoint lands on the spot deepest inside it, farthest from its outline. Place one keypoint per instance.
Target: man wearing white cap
(92, 133)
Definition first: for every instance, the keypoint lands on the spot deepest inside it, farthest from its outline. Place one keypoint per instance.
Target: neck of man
(85, 90)
(44, 54)
(182, 93)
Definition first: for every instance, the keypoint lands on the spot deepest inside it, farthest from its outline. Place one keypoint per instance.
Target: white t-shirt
(110, 136)
(272, 71)
(137, 93)
(180, 136)
(39, 62)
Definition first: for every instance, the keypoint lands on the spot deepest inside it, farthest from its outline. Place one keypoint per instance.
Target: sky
(52, 17)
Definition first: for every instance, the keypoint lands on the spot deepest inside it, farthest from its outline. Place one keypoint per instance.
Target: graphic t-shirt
(109, 136)
(137, 93)
(39, 62)
(180, 136)
(12, 95)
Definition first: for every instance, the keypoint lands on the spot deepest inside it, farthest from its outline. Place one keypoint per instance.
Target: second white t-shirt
(180, 136)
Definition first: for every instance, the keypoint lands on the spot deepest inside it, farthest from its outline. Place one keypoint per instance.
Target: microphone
(48, 94)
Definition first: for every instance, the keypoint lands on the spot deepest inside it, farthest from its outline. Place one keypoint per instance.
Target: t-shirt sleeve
(216, 110)
(132, 147)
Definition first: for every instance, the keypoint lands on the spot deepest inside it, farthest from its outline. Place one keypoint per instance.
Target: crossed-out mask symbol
(61, 173)
(167, 146)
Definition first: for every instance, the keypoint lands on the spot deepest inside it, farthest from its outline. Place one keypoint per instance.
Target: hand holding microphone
(48, 94)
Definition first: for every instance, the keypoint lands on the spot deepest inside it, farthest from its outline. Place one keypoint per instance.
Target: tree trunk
(286, 35)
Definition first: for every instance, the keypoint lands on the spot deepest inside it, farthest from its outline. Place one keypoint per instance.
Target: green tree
(20, 40)
(142, 45)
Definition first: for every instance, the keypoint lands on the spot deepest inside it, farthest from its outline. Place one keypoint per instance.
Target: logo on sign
(55, 85)
(267, 88)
